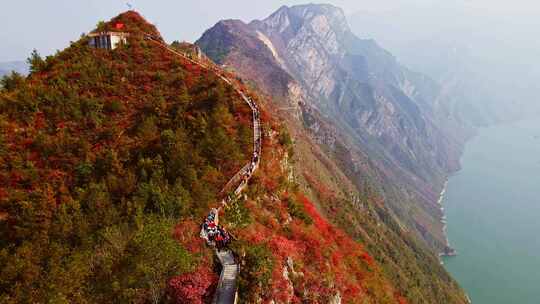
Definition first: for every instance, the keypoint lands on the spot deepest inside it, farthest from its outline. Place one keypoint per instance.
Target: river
(493, 212)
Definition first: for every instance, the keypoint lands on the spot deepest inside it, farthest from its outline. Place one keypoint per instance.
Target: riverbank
(492, 207)
(448, 250)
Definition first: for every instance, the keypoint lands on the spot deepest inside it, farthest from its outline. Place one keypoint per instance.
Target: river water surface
(493, 212)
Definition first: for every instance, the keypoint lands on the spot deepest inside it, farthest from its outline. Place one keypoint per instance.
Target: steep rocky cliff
(473, 57)
(370, 140)
(378, 107)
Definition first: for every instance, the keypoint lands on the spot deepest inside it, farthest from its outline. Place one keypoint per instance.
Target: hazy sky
(48, 25)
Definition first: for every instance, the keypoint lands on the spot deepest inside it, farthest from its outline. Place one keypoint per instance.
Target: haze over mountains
(485, 59)
(16, 66)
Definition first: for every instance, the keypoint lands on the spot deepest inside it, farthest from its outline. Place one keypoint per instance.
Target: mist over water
(493, 212)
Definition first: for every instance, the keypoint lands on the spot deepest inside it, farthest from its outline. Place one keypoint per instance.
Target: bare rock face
(336, 299)
(361, 85)
(311, 60)
(307, 59)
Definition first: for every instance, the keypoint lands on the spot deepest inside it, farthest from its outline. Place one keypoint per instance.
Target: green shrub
(236, 213)
(256, 269)
(296, 209)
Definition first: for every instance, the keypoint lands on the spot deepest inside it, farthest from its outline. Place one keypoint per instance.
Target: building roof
(123, 34)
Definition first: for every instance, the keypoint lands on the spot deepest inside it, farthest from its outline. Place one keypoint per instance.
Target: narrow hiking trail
(226, 291)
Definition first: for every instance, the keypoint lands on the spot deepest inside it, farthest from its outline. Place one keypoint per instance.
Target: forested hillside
(101, 153)
(346, 180)
(110, 159)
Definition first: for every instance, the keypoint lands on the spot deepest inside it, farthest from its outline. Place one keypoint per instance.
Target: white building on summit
(107, 40)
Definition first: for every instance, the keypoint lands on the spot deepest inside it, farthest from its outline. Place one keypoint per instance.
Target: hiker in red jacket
(219, 241)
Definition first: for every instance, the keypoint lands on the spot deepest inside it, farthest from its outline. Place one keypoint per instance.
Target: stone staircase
(226, 290)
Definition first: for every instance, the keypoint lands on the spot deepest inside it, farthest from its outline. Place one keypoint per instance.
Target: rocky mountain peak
(312, 19)
(233, 24)
(385, 108)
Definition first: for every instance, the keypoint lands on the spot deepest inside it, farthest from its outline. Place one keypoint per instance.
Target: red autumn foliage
(16, 177)
(319, 221)
(187, 233)
(351, 291)
(283, 292)
(321, 189)
(256, 234)
(401, 299)
(39, 121)
(283, 246)
(265, 116)
(55, 174)
(27, 142)
(270, 184)
(193, 287)
(3, 194)
(337, 258)
(321, 253)
(367, 258)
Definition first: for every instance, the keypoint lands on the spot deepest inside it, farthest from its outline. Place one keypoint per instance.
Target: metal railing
(242, 177)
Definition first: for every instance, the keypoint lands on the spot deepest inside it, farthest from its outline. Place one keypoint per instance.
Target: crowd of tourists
(214, 234)
(256, 123)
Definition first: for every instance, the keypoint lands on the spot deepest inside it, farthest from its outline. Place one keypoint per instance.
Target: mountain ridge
(335, 96)
(361, 86)
(109, 158)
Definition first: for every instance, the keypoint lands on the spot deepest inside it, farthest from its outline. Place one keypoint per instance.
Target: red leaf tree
(192, 287)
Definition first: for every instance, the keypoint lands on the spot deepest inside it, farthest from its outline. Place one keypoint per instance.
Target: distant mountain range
(487, 69)
(17, 66)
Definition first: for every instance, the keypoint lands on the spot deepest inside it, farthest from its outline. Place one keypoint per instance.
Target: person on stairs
(219, 241)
